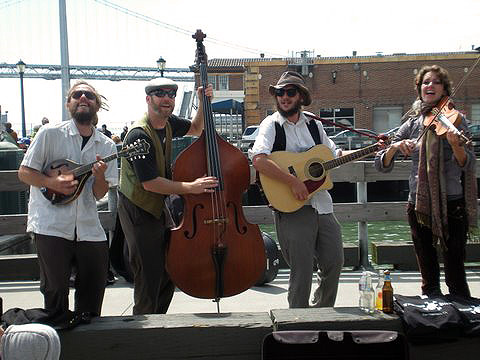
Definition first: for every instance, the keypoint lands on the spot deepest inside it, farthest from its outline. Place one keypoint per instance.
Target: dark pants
(56, 257)
(453, 255)
(147, 239)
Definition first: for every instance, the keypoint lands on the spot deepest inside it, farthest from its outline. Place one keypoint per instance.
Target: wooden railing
(362, 211)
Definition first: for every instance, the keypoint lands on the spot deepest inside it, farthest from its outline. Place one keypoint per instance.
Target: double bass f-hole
(215, 252)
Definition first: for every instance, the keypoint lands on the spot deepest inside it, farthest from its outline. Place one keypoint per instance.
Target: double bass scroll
(214, 252)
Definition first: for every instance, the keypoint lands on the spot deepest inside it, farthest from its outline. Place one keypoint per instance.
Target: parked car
(248, 137)
(351, 140)
(475, 136)
(391, 131)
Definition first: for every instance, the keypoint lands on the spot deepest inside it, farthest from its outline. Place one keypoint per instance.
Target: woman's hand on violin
(454, 139)
(406, 146)
(203, 185)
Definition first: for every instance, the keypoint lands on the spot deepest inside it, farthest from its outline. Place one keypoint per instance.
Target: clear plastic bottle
(367, 294)
(379, 292)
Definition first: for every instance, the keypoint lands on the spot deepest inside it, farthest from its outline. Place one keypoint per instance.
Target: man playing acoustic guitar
(310, 235)
(70, 233)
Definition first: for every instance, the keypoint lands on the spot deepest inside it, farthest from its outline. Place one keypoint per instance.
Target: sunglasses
(88, 94)
(171, 93)
(290, 92)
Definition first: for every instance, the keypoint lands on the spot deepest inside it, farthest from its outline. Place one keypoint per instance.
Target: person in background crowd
(442, 202)
(116, 139)
(124, 133)
(106, 132)
(10, 131)
(70, 234)
(37, 127)
(144, 183)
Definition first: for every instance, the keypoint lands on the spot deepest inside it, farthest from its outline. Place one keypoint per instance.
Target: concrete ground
(119, 296)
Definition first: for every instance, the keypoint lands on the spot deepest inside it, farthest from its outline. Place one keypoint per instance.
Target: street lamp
(161, 65)
(21, 71)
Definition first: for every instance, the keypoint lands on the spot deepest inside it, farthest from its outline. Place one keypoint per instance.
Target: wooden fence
(362, 211)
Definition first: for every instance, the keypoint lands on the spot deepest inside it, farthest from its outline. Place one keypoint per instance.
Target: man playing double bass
(311, 235)
(144, 182)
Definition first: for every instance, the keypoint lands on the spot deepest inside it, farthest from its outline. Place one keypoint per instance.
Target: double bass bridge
(217, 221)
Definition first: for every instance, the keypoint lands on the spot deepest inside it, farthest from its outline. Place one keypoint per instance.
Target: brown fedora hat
(292, 78)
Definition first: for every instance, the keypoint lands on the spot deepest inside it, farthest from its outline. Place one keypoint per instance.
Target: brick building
(365, 91)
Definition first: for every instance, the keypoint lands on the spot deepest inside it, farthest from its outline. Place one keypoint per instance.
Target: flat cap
(160, 83)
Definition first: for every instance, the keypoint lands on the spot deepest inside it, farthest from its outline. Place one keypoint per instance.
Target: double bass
(214, 252)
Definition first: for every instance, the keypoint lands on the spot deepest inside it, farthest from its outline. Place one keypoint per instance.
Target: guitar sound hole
(316, 170)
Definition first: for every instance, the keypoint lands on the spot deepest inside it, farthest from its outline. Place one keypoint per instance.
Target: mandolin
(83, 172)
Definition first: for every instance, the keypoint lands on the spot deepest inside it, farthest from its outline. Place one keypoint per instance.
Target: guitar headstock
(137, 150)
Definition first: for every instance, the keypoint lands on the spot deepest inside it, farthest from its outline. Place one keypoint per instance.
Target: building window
(222, 82)
(343, 116)
(212, 79)
(386, 118)
(219, 82)
(475, 118)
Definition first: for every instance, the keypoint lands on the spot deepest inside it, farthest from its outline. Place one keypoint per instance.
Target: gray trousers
(307, 239)
(56, 257)
(147, 239)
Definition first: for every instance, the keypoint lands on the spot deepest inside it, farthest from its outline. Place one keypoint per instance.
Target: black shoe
(111, 279)
(86, 317)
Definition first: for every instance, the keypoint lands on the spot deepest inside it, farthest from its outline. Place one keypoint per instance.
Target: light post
(21, 71)
(161, 65)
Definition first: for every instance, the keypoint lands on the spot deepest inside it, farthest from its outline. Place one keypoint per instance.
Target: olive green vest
(131, 187)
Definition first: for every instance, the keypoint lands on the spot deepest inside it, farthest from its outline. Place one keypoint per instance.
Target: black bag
(428, 319)
(59, 321)
(469, 311)
(345, 345)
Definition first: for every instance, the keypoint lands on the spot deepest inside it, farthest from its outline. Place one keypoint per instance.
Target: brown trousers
(56, 257)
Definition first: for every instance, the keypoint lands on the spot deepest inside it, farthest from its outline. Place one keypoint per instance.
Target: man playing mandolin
(310, 235)
(144, 182)
(70, 233)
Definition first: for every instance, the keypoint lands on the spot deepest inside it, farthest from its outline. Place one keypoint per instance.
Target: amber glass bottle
(387, 294)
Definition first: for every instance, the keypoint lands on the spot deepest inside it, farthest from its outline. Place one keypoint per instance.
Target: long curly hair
(441, 73)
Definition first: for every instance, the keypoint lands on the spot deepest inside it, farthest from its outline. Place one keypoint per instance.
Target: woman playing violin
(442, 184)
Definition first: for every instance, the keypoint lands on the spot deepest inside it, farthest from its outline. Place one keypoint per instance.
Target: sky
(100, 33)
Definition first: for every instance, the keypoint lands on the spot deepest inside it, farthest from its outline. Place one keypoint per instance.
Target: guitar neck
(88, 167)
(328, 165)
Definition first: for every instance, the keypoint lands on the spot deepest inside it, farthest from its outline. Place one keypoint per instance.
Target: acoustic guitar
(311, 167)
(82, 172)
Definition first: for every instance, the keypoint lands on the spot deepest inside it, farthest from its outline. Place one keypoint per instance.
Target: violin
(444, 117)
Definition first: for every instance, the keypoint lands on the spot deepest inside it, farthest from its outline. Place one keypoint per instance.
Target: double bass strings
(213, 164)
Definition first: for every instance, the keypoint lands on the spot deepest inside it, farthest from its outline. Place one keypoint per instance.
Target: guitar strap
(280, 142)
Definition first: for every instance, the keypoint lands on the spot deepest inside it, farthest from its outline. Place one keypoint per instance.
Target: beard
(295, 109)
(83, 118)
(161, 111)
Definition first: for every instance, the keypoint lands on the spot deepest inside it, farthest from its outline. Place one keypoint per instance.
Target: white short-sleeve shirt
(63, 141)
(298, 139)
